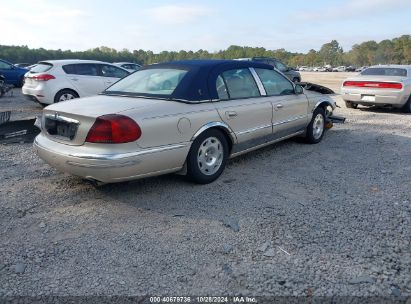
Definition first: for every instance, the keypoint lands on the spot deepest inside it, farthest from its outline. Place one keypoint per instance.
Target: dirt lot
(332, 219)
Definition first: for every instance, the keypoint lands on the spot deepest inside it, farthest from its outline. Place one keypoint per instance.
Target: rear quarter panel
(173, 123)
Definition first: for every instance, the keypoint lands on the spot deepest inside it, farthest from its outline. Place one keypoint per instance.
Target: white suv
(59, 80)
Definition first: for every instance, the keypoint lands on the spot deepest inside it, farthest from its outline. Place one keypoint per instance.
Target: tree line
(394, 51)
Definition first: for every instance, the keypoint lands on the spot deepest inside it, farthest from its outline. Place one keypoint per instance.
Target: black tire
(316, 129)
(350, 105)
(20, 84)
(212, 141)
(296, 79)
(66, 92)
(407, 107)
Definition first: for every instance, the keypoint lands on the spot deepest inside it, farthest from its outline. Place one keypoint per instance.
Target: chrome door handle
(74, 79)
(279, 106)
(231, 114)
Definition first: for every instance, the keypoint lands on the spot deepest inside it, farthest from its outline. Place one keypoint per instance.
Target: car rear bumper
(37, 95)
(373, 97)
(110, 168)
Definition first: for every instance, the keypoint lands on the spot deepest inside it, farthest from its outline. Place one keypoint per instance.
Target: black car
(293, 75)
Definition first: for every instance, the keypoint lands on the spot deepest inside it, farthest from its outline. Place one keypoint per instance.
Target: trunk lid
(69, 122)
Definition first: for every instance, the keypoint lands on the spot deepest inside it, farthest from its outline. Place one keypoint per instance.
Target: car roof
(125, 62)
(71, 61)
(394, 66)
(199, 82)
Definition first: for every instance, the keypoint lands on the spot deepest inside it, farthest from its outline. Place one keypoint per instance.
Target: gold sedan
(184, 116)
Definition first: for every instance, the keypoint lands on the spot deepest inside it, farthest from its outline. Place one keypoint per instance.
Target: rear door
(85, 78)
(290, 110)
(111, 74)
(242, 107)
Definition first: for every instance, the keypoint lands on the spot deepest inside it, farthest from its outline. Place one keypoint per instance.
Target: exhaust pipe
(336, 119)
(331, 120)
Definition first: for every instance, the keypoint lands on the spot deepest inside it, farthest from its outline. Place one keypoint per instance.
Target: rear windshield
(41, 67)
(150, 82)
(385, 72)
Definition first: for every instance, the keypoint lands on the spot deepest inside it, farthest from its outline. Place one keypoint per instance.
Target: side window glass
(112, 71)
(5, 66)
(221, 88)
(281, 67)
(69, 69)
(86, 69)
(240, 84)
(274, 83)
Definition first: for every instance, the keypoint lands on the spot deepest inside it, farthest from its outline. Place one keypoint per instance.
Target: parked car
(59, 80)
(129, 66)
(293, 75)
(183, 116)
(303, 68)
(350, 68)
(13, 74)
(341, 68)
(361, 69)
(319, 69)
(379, 85)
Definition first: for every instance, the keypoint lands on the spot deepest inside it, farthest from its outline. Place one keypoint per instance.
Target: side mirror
(298, 89)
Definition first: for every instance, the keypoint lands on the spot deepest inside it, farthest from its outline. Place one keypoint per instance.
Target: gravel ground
(332, 219)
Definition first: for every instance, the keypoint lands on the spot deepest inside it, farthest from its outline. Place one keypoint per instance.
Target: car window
(150, 82)
(41, 67)
(5, 66)
(275, 83)
(88, 69)
(385, 72)
(281, 67)
(240, 83)
(112, 71)
(221, 88)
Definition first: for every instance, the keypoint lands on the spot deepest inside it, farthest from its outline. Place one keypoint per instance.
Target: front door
(290, 110)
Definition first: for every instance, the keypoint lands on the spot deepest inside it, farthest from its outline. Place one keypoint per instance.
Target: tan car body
(168, 131)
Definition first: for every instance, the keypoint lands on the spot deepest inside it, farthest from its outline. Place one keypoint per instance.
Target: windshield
(385, 72)
(150, 82)
(41, 67)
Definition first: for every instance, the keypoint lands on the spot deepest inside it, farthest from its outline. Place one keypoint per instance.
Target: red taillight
(113, 129)
(373, 84)
(43, 77)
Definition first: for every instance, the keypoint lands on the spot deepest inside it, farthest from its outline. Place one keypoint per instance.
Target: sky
(164, 25)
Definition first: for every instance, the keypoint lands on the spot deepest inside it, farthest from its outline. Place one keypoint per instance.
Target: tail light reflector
(113, 129)
(373, 84)
(43, 77)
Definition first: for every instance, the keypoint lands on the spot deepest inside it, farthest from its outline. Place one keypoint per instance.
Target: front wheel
(316, 128)
(207, 157)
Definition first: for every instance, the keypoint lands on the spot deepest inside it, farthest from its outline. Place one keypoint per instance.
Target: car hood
(101, 105)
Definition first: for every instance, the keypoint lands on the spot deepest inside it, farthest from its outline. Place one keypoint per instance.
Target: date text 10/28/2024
(239, 299)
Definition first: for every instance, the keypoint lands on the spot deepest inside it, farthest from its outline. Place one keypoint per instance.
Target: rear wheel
(407, 107)
(207, 157)
(316, 128)
(20, 84)
(350, 105)
(296, 79)
(64, 95)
